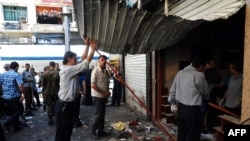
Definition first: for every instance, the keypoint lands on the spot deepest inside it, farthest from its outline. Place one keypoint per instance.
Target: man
(87, 97)
(41, 85)
(57, 67)
(51, 83)
(188, 88)
(2, 107)
(34, 89)
(12, 85)
(117, 88)
(6, 67)
(65, 106)
(28, 83)
(81, 92)
(233, 94)
(100, 93)
(209, 114)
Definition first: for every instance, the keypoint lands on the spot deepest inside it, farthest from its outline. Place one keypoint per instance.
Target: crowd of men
(61, 92)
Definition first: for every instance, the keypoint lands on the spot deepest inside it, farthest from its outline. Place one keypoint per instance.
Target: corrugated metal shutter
(135, 76)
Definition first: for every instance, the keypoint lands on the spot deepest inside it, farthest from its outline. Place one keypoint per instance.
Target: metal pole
(66, 33)
(166, 8)
(139, 6)
(66, 23)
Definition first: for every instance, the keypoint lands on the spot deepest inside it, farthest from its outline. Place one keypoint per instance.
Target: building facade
(35, 21)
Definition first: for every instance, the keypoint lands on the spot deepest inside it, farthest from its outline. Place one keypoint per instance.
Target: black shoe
(23, 124)
(51, 122)
(38, 105)
(6, 127)
(28, 114)
(102, 133)
(94, 136)
(34, 109)
(79, 124)
(17, 129)
(44, 108)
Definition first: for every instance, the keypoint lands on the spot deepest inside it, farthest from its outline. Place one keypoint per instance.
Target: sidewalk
(39, 130)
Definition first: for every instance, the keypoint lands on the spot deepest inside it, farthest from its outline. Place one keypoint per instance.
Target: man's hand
(21, 98)
(86, 40)
(106, 94)
(173, 108)
(221, 103)
(93, 44)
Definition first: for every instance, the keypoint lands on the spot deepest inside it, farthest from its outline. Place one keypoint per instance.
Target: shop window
(14, 13)
(51, 39)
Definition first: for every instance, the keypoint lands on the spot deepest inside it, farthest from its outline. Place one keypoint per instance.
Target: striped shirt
(10, 82)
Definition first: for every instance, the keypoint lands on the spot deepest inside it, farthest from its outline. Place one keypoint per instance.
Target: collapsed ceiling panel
(120, 29)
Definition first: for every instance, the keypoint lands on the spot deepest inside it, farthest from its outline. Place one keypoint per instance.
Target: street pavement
(37, 128)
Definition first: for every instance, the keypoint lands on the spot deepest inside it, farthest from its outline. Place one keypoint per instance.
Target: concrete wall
(246, 71)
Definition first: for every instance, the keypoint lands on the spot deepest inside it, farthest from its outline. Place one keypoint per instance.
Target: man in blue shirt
(28, 83)
(12, 85)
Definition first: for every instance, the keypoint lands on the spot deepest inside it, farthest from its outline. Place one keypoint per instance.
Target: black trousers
(189, 123)
(14, 109)
(36, 95)
(77, 108)
(64, 120)
(2, 134)
(116, 96)
(28, 97)
(100, 109)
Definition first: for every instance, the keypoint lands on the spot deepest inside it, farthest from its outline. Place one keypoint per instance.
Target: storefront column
(245, 114)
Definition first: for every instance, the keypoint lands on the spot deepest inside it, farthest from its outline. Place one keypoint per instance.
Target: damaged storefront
(155, 46)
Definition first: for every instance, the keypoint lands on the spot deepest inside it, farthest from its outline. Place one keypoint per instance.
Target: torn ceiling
(120, 29)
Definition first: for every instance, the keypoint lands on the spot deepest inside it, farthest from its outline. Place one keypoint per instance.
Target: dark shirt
(51, 82)
(117, 84)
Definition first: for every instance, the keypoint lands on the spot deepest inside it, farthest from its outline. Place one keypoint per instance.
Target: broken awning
(120, 29)
(208, 10)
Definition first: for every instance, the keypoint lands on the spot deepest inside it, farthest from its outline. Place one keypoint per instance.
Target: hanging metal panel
(111, 24)
(134, 27)
(103, 24)
(125, 30)
(79, 12)
(87, 18)
(144, 45)
(118, 26)
(96, 16)
(120, 29)
(141, 31)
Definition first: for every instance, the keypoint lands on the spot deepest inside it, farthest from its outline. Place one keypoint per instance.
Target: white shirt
(69, 80)
(188, 87)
